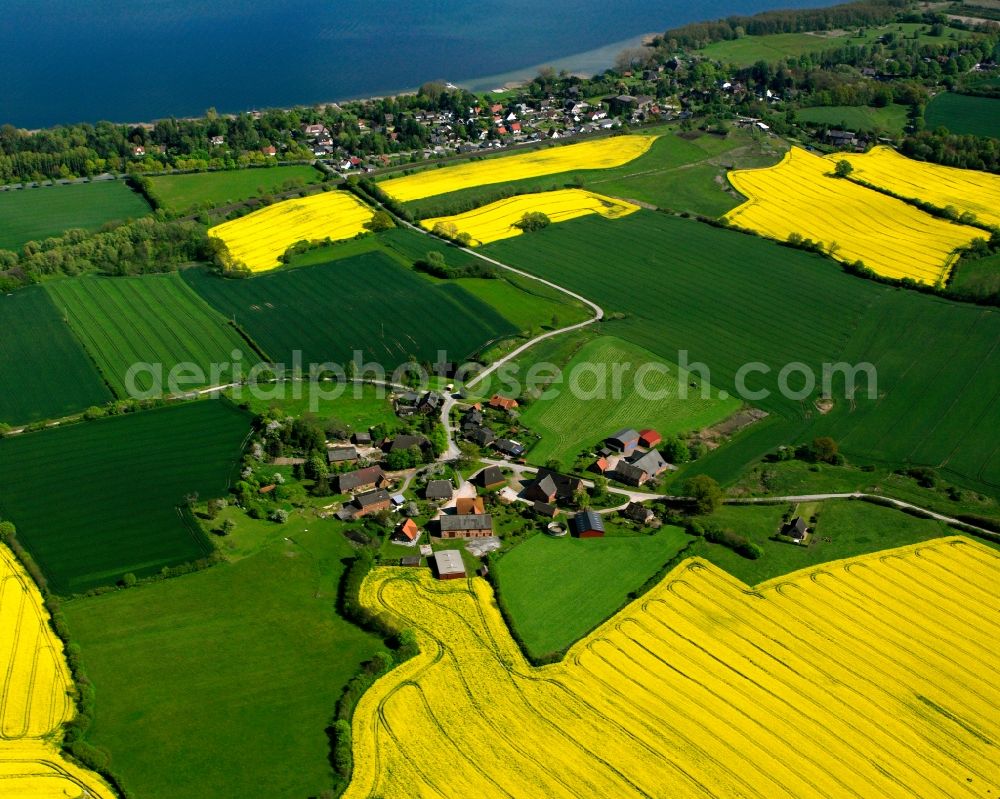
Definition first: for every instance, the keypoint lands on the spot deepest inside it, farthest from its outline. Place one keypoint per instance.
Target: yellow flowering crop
(597, 154)
(870, 677)
(496, 221)
(35, 697)
(801, 195)
(260, 238)
(962, 189)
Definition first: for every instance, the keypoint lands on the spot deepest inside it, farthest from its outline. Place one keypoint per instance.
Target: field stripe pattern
(868, 677)
(35, 691)
(498, 220)
(800, 195)
(599, 154)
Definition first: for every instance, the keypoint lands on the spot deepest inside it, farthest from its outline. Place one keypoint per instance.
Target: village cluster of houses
(631, 457)
(474, 428)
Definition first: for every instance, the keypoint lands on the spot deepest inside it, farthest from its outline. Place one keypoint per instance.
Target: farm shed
(469, 505)
(506, 446)
(545, 509)
(362, 439)
(588, 524)
(490, 477)
(474, 525)
(410, 561)
(623, 441)
(448, 564)
(650, 438)
(439, 490)
(371, 502)
(341, 455)
(361, 480)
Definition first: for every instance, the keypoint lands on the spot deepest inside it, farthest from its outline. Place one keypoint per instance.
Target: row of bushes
(370, 188)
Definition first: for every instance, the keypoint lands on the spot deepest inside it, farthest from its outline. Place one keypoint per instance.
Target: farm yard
(943, 186)
(154, 319)
(369, 303)
(44, 369)
(828, 660)
(499, 220)
(243, 663)
(595, 577)
(36, 214)
(597, 154)
(717, 296)
(800, 196)
(569, 424)
(964, 114)
(35, 696)
(97, 500)
(179, 193)
(258, 240)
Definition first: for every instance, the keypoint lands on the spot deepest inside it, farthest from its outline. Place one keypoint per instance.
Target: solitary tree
(705, 493)
(843, 168)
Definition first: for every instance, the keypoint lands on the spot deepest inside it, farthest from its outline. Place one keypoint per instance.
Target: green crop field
(36, 214)
(854, 528)
(576, 420)
(779, 46)
(729, 299)
(368, 303)
(891, 119)
(97, 500)
(200, 676)
(44, 371)
(528, 305)
(558, 589)
(153, 319)
(965, 114)
(677, 172)
(210, 189)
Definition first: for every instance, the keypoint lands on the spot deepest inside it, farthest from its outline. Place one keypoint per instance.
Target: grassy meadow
(360, 406)
(199, 676)
(155, 319)
(178, 193)
(728, 299)
(569, 424)
(367, 303)
(44, 370)
(558, 589)
(36, 214)
(891, 119)
(964, 114)
(100, 499)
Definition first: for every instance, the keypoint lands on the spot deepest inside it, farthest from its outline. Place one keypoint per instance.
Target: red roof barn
(650, 438)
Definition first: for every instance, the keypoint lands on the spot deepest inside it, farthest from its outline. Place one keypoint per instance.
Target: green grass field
(980, 277)
(678, 172)
(854, 528)
(964, 114)
(729, 299)
(44, 371)
(360, 406)
(558, 589)
(779, 46)
(368, 303)
(154, 319)
(891, 119)
(179, 193)
(528, 305)
(603, 405)
(197, 678)
(36, 214)
(97, 500)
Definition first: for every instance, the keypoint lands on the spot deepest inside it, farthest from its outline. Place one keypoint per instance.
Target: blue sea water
(131, 60)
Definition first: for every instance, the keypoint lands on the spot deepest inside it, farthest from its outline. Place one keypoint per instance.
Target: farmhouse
(469, 505)
(449, 565)
(641, 467)
(630, 474)
(341, 455)
(638, 512)
(407, 532)
(361, 480)
(438, 490)
(474, 525)
(490, 477)
(549, 486)
(369, 502)
(600, 466)
(796, 529)
(587, 524)
(502, 403)
(624, 441)
(508, 447)
(482, 436)
(650, 438)
(403, 442)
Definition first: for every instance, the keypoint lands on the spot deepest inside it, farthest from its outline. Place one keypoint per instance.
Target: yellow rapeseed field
(598, 154)
(35, 697)
(870, 677)
(963, 189)
(496, 221)
(801, 195)
(260, 238)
